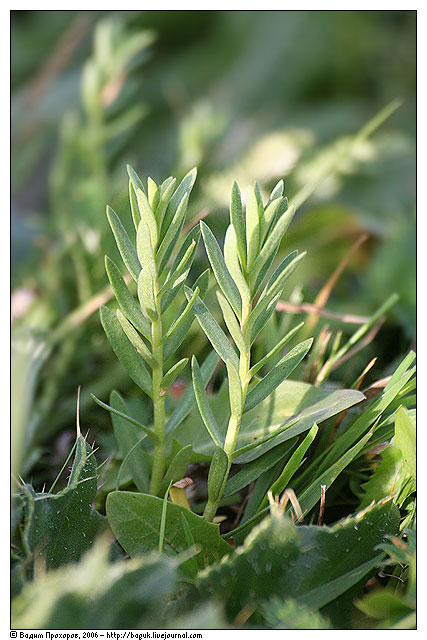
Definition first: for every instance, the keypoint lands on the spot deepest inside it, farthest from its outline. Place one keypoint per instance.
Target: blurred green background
(246, 95)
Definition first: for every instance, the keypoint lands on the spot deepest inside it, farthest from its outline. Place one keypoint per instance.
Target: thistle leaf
(276, 376)
(126, 248)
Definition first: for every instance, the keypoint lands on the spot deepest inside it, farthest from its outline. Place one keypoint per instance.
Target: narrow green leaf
(213, 331)
(144, 247)
(153, 194)
(280, 372)
(234, 390)
(406, 439)
(136, 216)
(173, 372)
(126, 353)
(218, 472)
(222, 275)
(124, 416)
(183, 190)
(231, 322)
(269, 217)
(125, 299)
(186, 402)
(146, 294)
(272, 243)
(263, 318)
(183, 325)
(178, 467)
(203, 404)
(172, 234)
(134, 178)
(179, 269)
(277, 192)
(147, 213)
(253, 370)
(277, 281)
(292, 465)
(253, 216)
(163, 518)
(135, 338)
(233, 265)
(178, 321)
(166, 190)
(126, 248)
(238, 222)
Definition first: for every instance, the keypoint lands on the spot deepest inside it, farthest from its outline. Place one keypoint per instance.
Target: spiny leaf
(126, 248)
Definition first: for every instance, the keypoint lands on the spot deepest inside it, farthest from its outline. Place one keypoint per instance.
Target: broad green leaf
(125, 299)
(233, 265)
(213, 331)
(126, 248)
(60, 528)
(146, 294)
(231, 322)
(126, 353)
(135, 338)
(253, 215)
(222, 275)
(238, 222)
(188, 399)
(183, 190)
(135, 521)
(173, 372)
(406, 439)
(127, 436)
(276, 376)
(147, 213)
(288, 336)
(292, 409)
(203, 404)
(298, 562)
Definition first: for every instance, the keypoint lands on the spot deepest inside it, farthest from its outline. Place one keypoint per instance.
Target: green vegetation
(245, 449)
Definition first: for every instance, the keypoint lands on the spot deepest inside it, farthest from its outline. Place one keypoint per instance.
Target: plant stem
(158, 404)
(235, 420)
